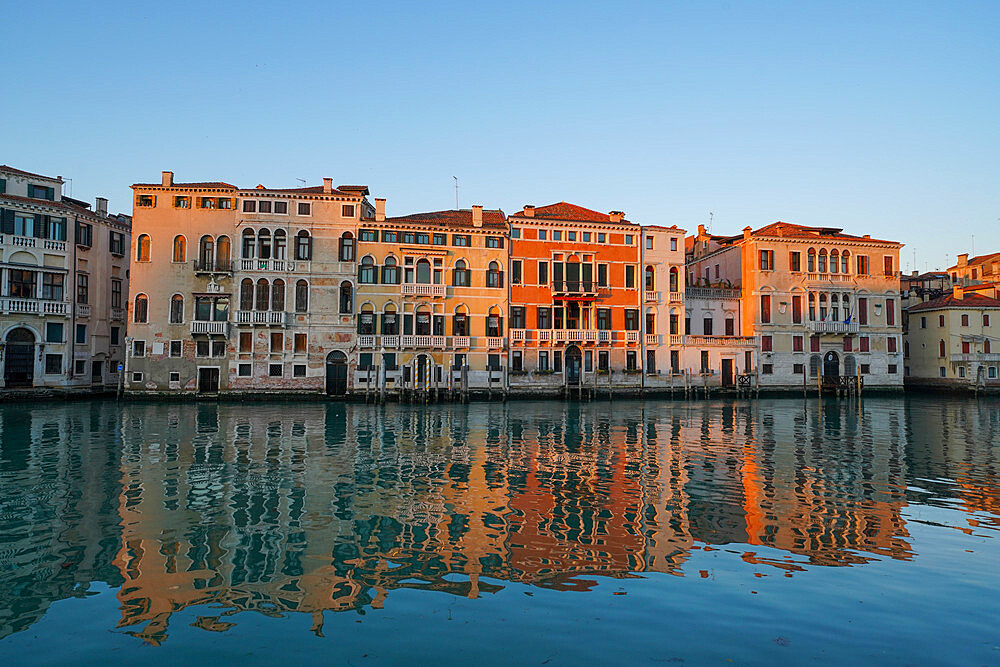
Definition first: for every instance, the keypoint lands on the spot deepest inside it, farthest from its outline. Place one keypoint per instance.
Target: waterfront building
(243, 290)
(63, 277)
(979, 269)
(823, 304)
(954, 341)
(575, 297)
(432, 297)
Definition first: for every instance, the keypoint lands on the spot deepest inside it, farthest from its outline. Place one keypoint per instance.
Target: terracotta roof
(463, 218)
(360, 189)
(949, 301)
(345, 190)
(35, 200)
(977, 260)
(789, 230)
(212, 185)
(568, 212)
(671, 228)
(66, 205)
(7, 168)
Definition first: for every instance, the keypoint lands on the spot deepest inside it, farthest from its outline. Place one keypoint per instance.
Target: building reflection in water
(314, 508)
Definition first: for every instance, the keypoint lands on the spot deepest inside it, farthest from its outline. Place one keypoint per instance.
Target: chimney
(958, 292)
(477, 216)
(101, 206)
(616, 216)
(379, 210)
(168, 179)
(701, 230)
(529, 211)
(963, 259)
(746, 232)
(328, 185)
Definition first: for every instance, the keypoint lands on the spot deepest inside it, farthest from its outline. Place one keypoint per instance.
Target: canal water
(524, 533)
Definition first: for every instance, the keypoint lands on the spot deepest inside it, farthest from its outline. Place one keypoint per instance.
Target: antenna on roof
(711, 215)
(302, 181)
(456, 192)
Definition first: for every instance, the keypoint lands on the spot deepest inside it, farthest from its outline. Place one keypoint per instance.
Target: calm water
(528, 533)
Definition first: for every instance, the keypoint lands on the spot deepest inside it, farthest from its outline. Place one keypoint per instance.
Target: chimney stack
(958, 292)
(327, 185)
(477, 216)
(168, 179)
(701, 230)
(529, 211)
(616, 216)
(963, 259)
(101, 206)
(746, 232)
(379, 210)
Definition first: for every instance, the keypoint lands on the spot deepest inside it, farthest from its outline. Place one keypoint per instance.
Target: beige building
(954, 341)
(823, 304)
(979, 269)
(243, 290)
(63, 281)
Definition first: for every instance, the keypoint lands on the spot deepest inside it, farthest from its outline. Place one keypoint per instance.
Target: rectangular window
(586, 237)
(137, 377)
(862, 265)
(631, 319)
(54, 332)
(629, 275)
(53, 364)
(175, 378)
(277, 342)
(543, 273)
(890, 344)
(798, 369)
(84, 234)
(543, 361)
(631, 360)
(249, 206)
(602, 275)
(517, 317)
(365, 361)
(796, 343)
(795, 261)
(224, 203)
(515, 272)
(541, 234)
(299, 370)
(887, 265)
(708, 326)
(570, 236)
(890, 312)
(494, 242)
(767, 369)
(588, 361)
(52, 286)
(603, 361)
(82, 288)
(847, 344)
(766, 343)
(176, 348)
(862, 310)
(300, 342)
(866, 369)
(493, 362)
(347, 211)
(965, 319)
(557, 361)
(765, 308)
(202, 348)
(304, 208)
(556, 235)
(208, 202)
(245, 370)
(796, 309)
(81, 333)
(461, 240)
(863, 343)
(766, 260)
(368, 235)
(246, 341)
(389, 236)
(281, 208)
(275, 370)
(218, 348)
(517, 361)
(892, 369)
(264, 207)
(138, 348)
(116, 243)
(423, 238)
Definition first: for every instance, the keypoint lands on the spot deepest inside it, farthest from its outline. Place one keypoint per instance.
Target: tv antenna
(456, 192)
(711, 215)
(302, 181)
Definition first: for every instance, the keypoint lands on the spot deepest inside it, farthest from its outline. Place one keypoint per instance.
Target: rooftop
(949, 301)
(492, 218)
(20, 172)
(789, 230)
(564, 211)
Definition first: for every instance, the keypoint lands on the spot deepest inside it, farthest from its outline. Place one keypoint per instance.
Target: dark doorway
(422, 376)
(831, 367)
(573, 365)
(727, 373)
(208, 380)
(96, 372)
(19, 359)
(336, 373)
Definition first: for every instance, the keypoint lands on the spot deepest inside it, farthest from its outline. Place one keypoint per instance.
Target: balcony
(604, 336)
(494, 342)
(676, 339)
(9, 305)
(631, 336)
(83, 310)
(976, 356)
(390, 342)
(652, 339)
(118, 314)
(676, 297)
(460, 341)
(652, 296)
(421, 289)
(262, 265)
(835, 327)
(212, 266)
(714, 292)
(721, 341)
(366, 341)
(518, 335)
(210, 328)
(578, 288)
(262, 317)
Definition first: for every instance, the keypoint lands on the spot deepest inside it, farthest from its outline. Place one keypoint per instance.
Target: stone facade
(63, 285)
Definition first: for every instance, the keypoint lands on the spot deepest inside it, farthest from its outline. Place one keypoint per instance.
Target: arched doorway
(336, 373)
(831, 366)
(19, 359)
(421, 371)
(573, 365)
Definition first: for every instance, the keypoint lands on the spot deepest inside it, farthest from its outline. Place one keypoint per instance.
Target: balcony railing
(976, 356)
(676, 339)
(118, 314)
(366, 341)
(582, 287)
(518, 335)
(652, 295)
(494, 342)
(211, 328)
(421, 289)
(10, 305)
(460, 341)
(276, 265)
(604, 336)
(835, 327)
(83, 310)
(676, 297)
(262, 317)
(631, 336)
(714, 292)
(721, 341)
(652, 339)
(390, 341)
(213, 266)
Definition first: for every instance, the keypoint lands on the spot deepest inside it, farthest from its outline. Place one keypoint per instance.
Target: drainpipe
(72, 294)
(642, 312)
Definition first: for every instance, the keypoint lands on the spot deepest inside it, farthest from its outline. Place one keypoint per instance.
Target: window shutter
(500, 325)
(381, 323)
(41, 226)
(6, 220)
(358, 317)
(408, 325)
(500, 284)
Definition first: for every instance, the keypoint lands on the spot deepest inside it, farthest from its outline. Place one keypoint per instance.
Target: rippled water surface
(526, 533)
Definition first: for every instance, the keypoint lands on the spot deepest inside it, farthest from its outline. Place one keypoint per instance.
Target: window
(965, 319)
(866, 369)
(649, 243)
(765, 308)
(795, 261)
(890, 344)
(766, 260)
(53, 332)
(556, 235)
(767, 369)
(797, 343)
(766, 343)
(923, 322)
(863, 344)
(347, 247)
(85, 237)
(494, 276)
(301, 296)
(184, 202)
(141, 314)
(570, 236)
(346, 298)
(704, 361)
(515, 272)
(461, 276)
(708, 326)
(53, 364)
(305, 208)
(218, 348)
(390, 272)
(798, 369)
(493, 362)
(145, 200)
(277, 342)
(890, 312)
(366, 272)
(368, 235)
(887, 265)
(201, 348)
(347, 211)
(116, 243)
(629, 275)
(389, 236)
(940, 320)
(176, 348)
(603, 361)
(300, 343)
(52, 286)
(862, 310)
(137, 377)
(494, 242)
(82, 287)
(986, 320)
(541, 234)
(207, 202)
(631, 319)
(543, 317)
(543, 273)
(517, 361)
(141, 248)
(303, 246)
(138, 348)
(848, 344)
(274, 370)
(299, 370)
(461, 240)
(674, 323)
(175, 378)
(862, 265)
(631, 360)
(176, 309)
(249, 206)
(543, 360)
(628, 239)
(517, 318)
(822, 260)
(796, 309)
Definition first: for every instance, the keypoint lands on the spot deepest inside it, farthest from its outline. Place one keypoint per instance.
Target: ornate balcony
(460, 341)
(390, 342)
(652, 296)
(366, 341)
(494, 342)
(421, 289)
(272, 265)
(631, 336)
(714, 292)
(10, 305)
(212, 266)
(578, 288)
(262, 317)
(117, 314)
(976, 356)
(83, 310)
(652, 339)
(210, 328)
(721, 341)
(835, 327)
(676, 297)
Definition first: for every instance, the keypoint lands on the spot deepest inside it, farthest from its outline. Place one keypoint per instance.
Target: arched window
(812, 307)
(460, 322)
(494, 277)
(390, 271)
(142, 248)
(222, 251)
(650, 279)
(176, 309)
(347, 247)
(141, 311)
(206, 253)
(494, 323)
(390, 324)
(301, 296)
(673, 279)
(249, 244)
(180, 249)
(246, 294)
(423, 271)
(460, 276)
(941, 349)
(366, 272)
(264, 244)
(303, 246)
(263, 294)
(845, 262)
(366, 320)
(423, 321)
(834, 261)
(811, 260)
(822, 306)
(278, 295)
(822, 260)
(346, 297)
(280, 244)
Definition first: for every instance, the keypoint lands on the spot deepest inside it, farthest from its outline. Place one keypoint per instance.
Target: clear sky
(881, 118)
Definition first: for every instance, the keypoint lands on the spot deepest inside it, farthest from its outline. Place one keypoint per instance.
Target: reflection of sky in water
(215, 522)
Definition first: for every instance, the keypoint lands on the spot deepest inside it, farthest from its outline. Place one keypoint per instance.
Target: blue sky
(881, 118)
